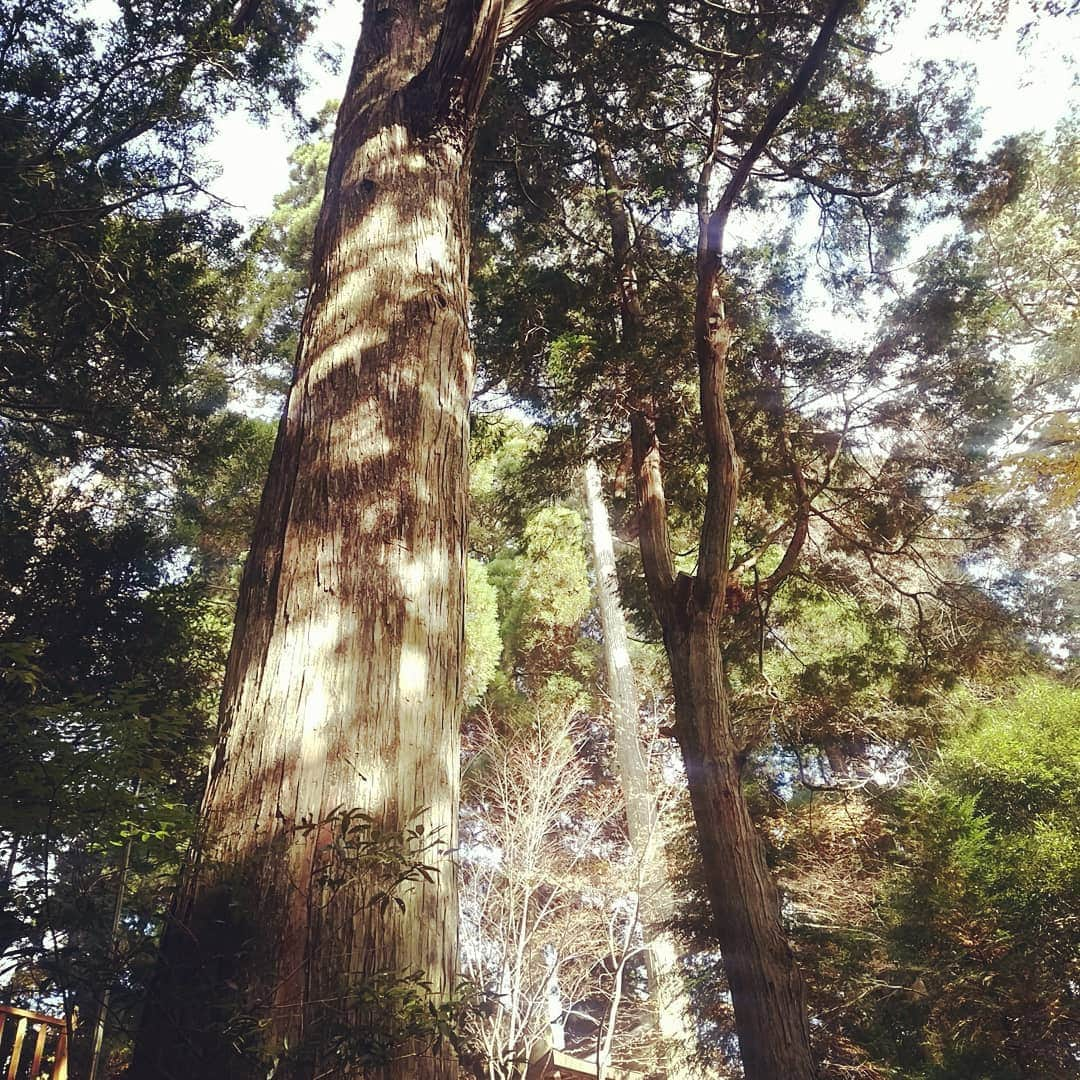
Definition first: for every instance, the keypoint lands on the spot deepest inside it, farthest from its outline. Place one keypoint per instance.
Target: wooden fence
(19, 1030)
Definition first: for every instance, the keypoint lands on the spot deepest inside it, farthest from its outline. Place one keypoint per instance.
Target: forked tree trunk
(767, 988)
(667, 994)
(766, 985)
(343, 686)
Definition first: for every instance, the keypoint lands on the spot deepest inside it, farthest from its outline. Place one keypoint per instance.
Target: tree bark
(343, 686)
(766, 986)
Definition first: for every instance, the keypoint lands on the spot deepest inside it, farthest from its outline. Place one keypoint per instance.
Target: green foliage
(1024, 222)
(91, 772)
(981, 914)
(110, 275)
(218, 500)
(398, 1015)
(483, 643)
(528, 598)
(554, 579)
(357, 849)
(543, 596)
(390, 1015)
(501, 452)
(834, 648)
(115, 277)
(1021, 758)
(273, 289)
(990, 333)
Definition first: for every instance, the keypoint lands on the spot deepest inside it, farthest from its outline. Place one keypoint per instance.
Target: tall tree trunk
(766, 986)
(667, 994)
(343, 686)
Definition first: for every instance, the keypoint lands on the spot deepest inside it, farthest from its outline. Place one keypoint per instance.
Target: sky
(253, 158)
(1020, 89)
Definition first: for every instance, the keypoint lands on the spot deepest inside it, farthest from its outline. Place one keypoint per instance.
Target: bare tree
(549, 903)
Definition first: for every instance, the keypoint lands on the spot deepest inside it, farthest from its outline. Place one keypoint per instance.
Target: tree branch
(520, 16)
(802, 523)
(796, 172)
(583, 6)
(244, 15)
(780, 110)
(652, 514)
(457, 75)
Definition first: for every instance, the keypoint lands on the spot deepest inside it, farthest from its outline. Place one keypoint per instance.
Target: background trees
(979, 909)
(111, 398)
(893, 467)
(691, 602)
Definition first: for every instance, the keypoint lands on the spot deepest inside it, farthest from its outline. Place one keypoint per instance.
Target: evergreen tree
(111, 332)
(588, 362)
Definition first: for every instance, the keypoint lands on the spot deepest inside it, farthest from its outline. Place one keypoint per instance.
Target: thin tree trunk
(667, 994)
(621, 685)
(98, 1034)
(766, 986)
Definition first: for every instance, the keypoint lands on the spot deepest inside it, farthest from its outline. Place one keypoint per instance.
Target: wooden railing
(49, 1039)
